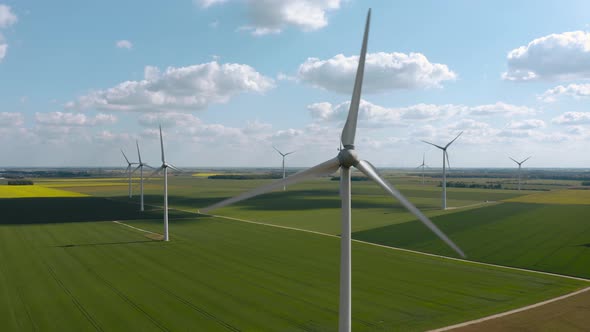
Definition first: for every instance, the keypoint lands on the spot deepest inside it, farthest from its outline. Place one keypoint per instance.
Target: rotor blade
(128, 168)
(438, 146)
(174, 168)
(324, 168)
(349, 130)
(514, 160)
(448, 161)
(138, 167)
(138, 154)
(154, 173)
(522, 162)
(124, 156)
(162, 145)
(278, 151)
(288, 153)
(148, 166)
(370, 171)
(451, 142)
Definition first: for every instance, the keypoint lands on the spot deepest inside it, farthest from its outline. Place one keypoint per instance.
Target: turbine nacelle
(348, 157)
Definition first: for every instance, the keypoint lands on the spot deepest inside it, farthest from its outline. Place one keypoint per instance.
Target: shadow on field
(104, 244)
(73, 209)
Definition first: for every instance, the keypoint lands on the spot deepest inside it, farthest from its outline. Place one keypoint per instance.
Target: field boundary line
(379, 245)
(532, 306)
(136, 228)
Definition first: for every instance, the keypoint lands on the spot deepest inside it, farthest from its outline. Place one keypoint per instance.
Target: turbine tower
(140, 167)
(164, 167)
(422, 166)
(128, 171)
(519, 167)
(283, 155)
(346, 158)
(445, 162)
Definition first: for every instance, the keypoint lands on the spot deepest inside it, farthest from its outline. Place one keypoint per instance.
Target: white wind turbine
(129, 164)
(445, 162)
(140, 167)
(519, 167)
(347, 158)
(422, 166)
(283, 155)
(164, 167)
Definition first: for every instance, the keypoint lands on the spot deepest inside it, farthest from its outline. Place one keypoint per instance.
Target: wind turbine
(519, 167)
(164, 167)
(347, 158)
(129, 164)
(140, 167)
(283, 155)
(445, 162)
(423, 165)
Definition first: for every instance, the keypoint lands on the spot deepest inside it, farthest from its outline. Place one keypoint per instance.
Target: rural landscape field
(269, 263)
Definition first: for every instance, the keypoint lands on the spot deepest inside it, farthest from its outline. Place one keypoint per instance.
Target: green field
(85, 272)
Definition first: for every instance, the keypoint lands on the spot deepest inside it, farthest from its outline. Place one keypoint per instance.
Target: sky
(229, 79)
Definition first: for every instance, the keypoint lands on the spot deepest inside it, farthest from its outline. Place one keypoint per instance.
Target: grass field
(556, 197)
(35, 191)
(224, 275)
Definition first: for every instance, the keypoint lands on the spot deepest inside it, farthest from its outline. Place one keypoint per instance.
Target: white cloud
(573, 90)
(3, 47)
(73, 119)
(7, 17)
(572, 118)
(526, 124)
(178, 89)
(564, 56)
(8, 119)
(383, 72)
(501, 108)
(273, 16)
(124, 44)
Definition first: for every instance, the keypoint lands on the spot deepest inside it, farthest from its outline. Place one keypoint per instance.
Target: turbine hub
(348, 157)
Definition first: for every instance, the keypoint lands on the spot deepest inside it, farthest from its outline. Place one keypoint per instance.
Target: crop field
(226, 275)
(576, 196)
(34, 191)
(86, 272)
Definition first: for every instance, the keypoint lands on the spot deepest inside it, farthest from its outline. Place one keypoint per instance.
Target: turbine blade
(135, 170)
(451, 142)
(288, 153)
(438, 146)
(154, 173)
(522, 162)
(148, 166)
(448, 161)
(370, 171)
(278, 151)
(124, 156)
(162, 145)
(349, 131)
(138, 154)
(327, 167)
(514, 160)
(174, 168)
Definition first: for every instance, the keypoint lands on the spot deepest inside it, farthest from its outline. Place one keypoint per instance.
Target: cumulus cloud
(564, 56)
(7, 17)
(273, 16)
(572, 90)
(73, 119)
(171, 119)
(377, 116)
(177, 88)
(11, 119)
(572, 118)
(383, 72)
(124, 44)
(526, 124)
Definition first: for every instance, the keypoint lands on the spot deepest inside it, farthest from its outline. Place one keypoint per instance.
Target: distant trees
(246, 176)
(586, 183)
(352, 178)
(20, 182)
(488, 185)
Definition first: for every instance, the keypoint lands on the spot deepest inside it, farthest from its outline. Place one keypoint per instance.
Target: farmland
(220, 274)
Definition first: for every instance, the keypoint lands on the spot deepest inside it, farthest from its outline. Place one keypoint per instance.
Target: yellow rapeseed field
(568, 196)
(34, 191)
(204, 175)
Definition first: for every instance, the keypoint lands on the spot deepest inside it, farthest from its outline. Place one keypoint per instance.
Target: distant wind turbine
(519, 167)
(128, 171)
(347, 158)
(422, 166)
(283, 155)
(445, 162)
(140, 167)
(164, 167)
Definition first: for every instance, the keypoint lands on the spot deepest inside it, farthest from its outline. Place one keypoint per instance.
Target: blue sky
(229, 79)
